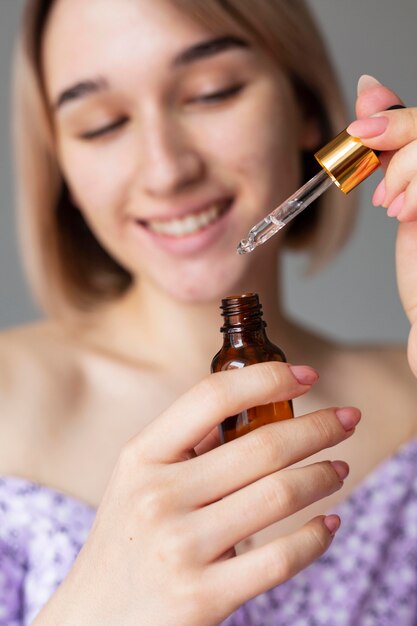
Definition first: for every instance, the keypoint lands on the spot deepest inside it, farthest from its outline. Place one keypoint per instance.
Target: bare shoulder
(379, 380)
(359, 369)
(17, 356)
(35, 373)
(383, 363)
(30, 355)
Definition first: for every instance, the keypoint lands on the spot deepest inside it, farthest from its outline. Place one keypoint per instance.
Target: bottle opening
(242, 312)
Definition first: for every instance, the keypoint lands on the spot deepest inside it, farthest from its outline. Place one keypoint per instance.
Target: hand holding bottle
(245, 342)
(161, 549)
(395, 133)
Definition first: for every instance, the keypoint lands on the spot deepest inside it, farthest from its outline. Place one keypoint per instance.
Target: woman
(164, 130)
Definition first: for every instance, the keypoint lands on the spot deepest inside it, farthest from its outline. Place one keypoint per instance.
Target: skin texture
(115, 382)
(176, 151)
(162, 535)
(399, 141)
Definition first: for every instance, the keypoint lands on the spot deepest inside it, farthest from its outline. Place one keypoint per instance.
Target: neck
(148, 325)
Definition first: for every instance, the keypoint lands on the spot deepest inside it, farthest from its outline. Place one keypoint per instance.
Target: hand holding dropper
(345, 161)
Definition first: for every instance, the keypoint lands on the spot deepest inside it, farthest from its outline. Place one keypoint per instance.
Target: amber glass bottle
(245, 342)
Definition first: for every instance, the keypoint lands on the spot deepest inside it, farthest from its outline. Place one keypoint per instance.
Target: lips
(189, 224)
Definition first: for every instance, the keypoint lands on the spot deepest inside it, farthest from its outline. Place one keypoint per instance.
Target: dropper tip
(245, 246)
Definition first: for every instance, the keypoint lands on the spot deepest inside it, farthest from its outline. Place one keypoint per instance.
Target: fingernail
(341, 468)
(304, 374)
(379, 194)
(332, 523)
(366, 81)
(368, 127)
(396, 205)
(348, 416)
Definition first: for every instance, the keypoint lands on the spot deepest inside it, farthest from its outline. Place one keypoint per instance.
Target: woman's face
(174, 141)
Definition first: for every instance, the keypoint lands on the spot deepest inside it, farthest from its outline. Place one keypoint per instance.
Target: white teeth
(188, 225)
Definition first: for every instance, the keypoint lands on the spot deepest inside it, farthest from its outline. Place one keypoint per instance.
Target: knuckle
(327, 476)
(176, 546)
(173, 548)
(324, 426)
(319, 538)
(214, 390)
(153, 502)
(395, 169)
(266, 441)
(274, 375)
(128, 460)
(280, 566)
(279, 495)
(411, 117)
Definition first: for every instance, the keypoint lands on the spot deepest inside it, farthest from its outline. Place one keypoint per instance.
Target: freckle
(130, 538)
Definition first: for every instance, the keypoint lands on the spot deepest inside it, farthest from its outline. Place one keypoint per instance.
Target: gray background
(356, 297)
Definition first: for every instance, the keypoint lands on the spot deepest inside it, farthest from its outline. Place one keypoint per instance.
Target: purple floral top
(367, 578)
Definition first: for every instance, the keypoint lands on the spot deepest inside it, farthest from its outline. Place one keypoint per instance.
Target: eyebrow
(79, 90)
(202, 50)
(209, 48)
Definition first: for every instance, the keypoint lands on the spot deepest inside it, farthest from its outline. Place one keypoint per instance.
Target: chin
(202, 283)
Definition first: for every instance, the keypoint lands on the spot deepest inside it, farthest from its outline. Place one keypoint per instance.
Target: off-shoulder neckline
(22, 480)
(401, 450)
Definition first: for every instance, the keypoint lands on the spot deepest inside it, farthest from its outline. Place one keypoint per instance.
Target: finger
(412, 349)
(380, 191)
(386, 130)
(264, 451)
(211, 441)
(401, 171)
(191, 418)
(404, 205)
(385, 158)
(230, 520)
(406, 257)
(374, 97)
(261, 569)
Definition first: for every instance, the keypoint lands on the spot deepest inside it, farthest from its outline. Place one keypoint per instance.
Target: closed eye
(214, 97)
(218, 96)
(104, 130)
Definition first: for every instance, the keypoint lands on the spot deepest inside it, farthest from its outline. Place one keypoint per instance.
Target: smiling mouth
(189, 224)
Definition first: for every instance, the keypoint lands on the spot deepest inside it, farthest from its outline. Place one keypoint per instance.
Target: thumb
(373, 97)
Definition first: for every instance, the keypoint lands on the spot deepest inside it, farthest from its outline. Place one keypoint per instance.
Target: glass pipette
(279, 217)
(345, 161)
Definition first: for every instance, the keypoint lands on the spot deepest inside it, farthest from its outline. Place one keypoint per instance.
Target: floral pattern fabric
(367, 578)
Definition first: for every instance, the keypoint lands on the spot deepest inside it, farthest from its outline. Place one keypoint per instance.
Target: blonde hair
(68, 269)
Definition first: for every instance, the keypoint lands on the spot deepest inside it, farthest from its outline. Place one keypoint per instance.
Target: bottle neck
(243, 321)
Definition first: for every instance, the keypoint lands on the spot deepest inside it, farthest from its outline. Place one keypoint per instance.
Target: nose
(170, 160)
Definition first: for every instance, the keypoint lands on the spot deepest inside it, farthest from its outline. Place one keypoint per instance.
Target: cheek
(257, 144)
(99, 182)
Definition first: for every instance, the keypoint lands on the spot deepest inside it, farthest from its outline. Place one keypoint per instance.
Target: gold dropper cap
(347, 161)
